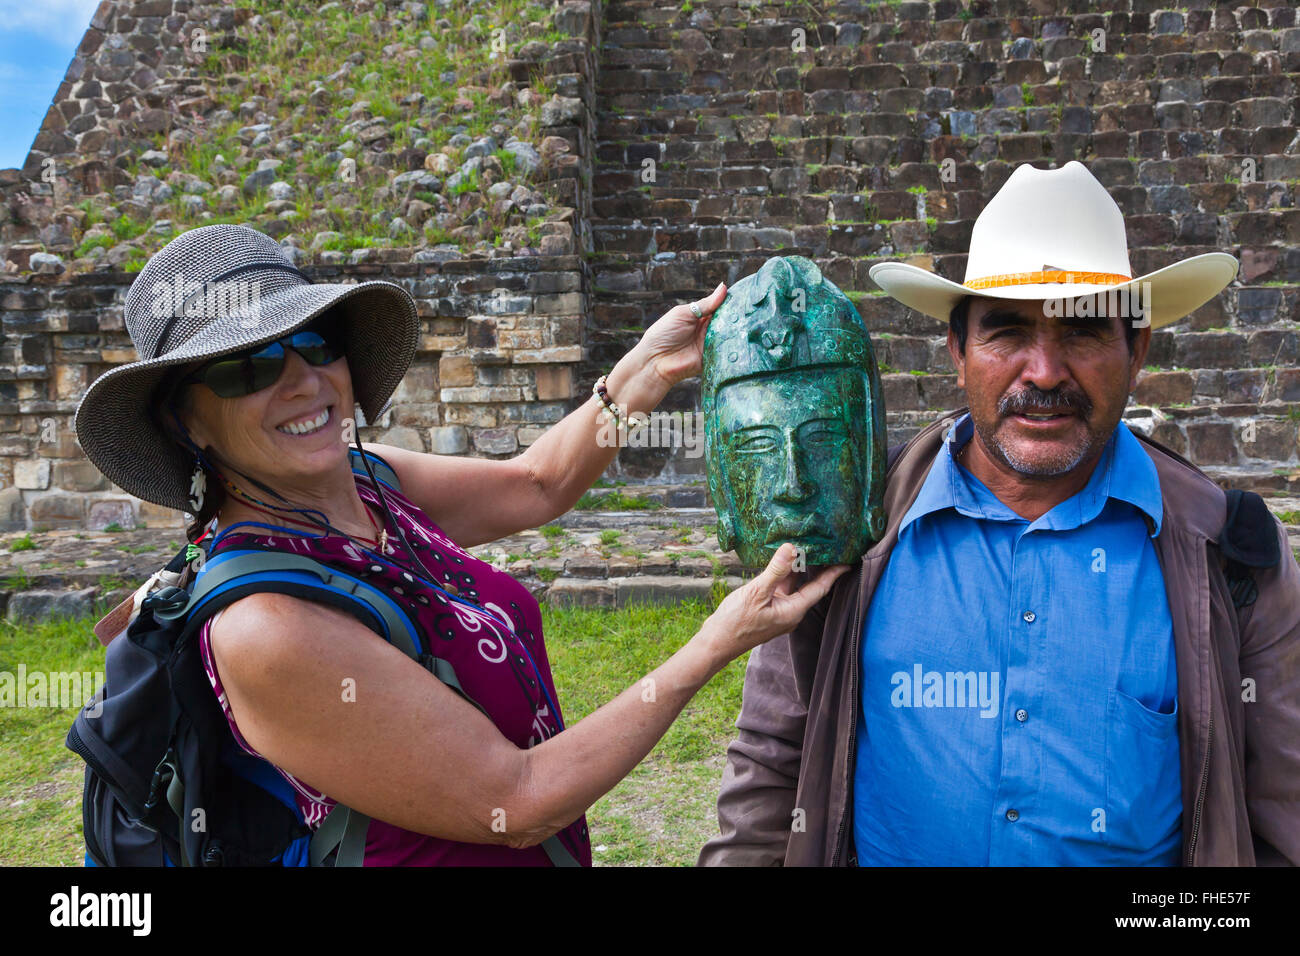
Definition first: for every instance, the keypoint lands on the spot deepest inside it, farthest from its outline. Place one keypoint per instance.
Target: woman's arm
(320, 695)
(476, 500)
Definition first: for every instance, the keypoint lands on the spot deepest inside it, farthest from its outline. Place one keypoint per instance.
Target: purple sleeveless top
(494, 643)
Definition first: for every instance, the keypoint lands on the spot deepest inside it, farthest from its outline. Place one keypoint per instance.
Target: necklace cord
(324, 524)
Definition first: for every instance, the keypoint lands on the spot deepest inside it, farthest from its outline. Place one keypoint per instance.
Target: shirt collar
(1124, 472)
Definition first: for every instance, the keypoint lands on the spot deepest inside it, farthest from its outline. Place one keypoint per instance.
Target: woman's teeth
(307, 427)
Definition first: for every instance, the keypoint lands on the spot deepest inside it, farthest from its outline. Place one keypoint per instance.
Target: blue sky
(37, 40)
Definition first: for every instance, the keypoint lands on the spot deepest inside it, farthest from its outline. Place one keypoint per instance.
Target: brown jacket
(1240, 760)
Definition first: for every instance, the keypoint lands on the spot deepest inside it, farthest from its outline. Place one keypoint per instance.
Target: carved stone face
(794, 423)
(793, 464)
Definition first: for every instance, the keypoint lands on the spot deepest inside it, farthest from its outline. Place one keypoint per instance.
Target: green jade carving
(794, 422)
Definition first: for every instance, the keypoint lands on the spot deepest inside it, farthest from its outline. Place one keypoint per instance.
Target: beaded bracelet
(609, 406)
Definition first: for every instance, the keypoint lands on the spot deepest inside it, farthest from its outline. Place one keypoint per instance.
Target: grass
(17, 582)
(660, 814)
(664, 811)
(25, 543)
(40, 779)
(615, 501)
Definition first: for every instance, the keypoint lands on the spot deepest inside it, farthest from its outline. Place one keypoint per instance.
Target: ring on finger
(696, 309)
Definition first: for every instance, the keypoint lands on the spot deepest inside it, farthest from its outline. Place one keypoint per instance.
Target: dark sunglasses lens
(243, 375)
(314, 347)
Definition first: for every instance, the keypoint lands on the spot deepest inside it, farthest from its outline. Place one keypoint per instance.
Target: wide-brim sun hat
(1056, 234)
(209, 292)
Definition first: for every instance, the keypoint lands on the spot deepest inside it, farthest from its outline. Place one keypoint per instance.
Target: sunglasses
(256, 368)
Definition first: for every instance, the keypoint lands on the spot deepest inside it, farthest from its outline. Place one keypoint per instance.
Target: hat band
(1038, 278)
(228, 274)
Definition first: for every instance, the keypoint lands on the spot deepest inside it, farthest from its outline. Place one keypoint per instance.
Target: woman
(239, 412)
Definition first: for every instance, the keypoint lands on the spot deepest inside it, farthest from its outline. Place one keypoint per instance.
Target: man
(1070, 647)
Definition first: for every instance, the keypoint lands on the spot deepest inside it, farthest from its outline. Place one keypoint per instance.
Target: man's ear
(1141, 345)
(958, 359)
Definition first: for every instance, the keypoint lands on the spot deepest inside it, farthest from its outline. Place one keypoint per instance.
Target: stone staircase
(718, 146)
(659, 546)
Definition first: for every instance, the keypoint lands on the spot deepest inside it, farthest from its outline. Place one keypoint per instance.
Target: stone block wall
(499, 343)
(860, 132)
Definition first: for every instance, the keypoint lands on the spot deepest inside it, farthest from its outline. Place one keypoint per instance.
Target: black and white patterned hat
(211, 291)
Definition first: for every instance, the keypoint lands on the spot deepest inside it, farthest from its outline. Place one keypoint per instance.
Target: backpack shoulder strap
(1247, 540)
(383, 470)
(234, 574)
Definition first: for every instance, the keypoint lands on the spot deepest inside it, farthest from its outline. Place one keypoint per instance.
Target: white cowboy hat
(1056, 233)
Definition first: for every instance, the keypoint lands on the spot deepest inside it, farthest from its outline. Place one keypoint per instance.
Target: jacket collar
(1188, 497)
(1123, 472)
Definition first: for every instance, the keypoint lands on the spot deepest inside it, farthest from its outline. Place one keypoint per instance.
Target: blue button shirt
(1019, 691)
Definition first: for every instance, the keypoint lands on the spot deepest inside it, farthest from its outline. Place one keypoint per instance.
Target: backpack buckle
(166, 602)
(156, 783)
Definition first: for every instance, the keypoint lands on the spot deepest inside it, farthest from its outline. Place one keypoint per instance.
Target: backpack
(166, 783)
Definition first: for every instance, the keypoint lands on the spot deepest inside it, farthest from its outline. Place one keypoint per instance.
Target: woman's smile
(307, 425)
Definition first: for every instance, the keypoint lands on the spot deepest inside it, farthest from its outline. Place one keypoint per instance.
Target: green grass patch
(17, 582)
(40, 779)
(615, 501)
(661, 814)
(95, 242)
(665, 809)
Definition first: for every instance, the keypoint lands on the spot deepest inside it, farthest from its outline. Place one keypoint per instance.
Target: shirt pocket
(1143, 786)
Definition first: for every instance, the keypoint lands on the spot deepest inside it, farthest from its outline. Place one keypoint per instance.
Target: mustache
(1035, 399)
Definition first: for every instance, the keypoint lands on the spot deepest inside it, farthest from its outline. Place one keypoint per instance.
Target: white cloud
(59, 21)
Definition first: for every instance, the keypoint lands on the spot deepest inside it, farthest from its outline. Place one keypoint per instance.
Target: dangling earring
(198, 484)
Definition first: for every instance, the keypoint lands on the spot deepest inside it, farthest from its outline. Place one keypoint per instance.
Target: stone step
(948, 15)
(701, 517)
(591, 558)
(854, 222)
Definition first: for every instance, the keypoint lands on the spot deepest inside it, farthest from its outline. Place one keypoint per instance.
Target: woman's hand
(765, 607)
(673, 348)
(670, 351)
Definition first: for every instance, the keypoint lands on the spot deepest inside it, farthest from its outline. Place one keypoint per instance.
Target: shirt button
(1029, 617)
(1013, 815)
(1022, 715)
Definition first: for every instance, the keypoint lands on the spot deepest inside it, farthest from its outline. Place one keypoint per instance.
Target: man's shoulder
(909, 462)
(1192, 499)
